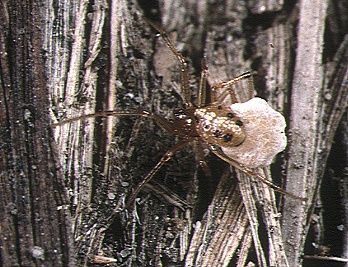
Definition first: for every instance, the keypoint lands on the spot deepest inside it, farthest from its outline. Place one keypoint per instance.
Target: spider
(231, 132)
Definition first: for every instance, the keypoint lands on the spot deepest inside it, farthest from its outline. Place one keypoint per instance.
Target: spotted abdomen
(218, 125)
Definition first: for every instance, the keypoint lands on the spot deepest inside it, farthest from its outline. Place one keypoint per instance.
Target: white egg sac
(265, 133)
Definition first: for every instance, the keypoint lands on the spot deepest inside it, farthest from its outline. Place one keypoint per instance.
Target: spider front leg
(162, 122)
(184, 72)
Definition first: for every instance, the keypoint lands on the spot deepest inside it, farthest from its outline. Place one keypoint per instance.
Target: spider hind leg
(251, 172)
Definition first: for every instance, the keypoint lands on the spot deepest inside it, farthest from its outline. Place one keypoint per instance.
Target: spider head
(218, 125)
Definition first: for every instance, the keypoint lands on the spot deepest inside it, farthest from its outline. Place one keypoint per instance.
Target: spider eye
(230, 115)
(207, 126)
(227, 137)
(217, 133)
(239, 122)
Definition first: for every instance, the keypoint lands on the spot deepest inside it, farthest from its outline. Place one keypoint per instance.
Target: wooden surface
(35, 222)
(63, 189)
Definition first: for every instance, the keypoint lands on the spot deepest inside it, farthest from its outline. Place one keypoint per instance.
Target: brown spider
(230, 132)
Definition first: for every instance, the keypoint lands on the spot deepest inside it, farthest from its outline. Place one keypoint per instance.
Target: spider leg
(166, 157)
(251, 172)
(202, 90)
(201, 159)
(227, 88)
(162, 122)
(184, 74)
(105, 114)
(250, 87)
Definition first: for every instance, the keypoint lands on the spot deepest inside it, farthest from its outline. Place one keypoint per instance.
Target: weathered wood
(35, 225)
(104, 55)
(304, 117)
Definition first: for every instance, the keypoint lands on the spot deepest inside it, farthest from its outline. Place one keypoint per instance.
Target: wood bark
(35, 222)
(69, 58)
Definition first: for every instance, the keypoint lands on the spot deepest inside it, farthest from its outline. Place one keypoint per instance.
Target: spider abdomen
(218, 125)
